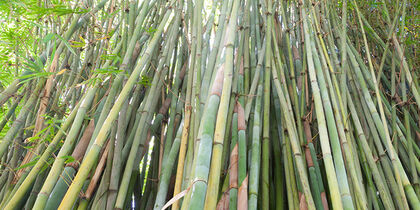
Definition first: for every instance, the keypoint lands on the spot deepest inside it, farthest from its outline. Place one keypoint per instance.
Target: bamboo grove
(233, 104)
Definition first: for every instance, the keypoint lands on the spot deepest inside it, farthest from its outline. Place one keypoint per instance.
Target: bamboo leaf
(68, 159)
(66, 43)
(31, 163)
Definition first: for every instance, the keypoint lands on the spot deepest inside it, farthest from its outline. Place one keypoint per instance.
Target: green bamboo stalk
(10, 112)
(323, 133)
(186, 128)
(386, 199)
(410, 151)
(219, 133)
(70, 140)
(205, 146)
(278, 171)
(18, 123)
(93, 153)
(167, 170)
(256, 152)
(266, 114)
(294, 142)
(149, 106)
(401, 177)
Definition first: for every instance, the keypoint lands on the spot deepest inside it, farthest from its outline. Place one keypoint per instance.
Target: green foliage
(35, 9)
(146, 81)
(112, 70)
(31, 163)
(68, 159)
(21, 23)
(34, 69)
(113, 57)
(80, 44)
(151, 31)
